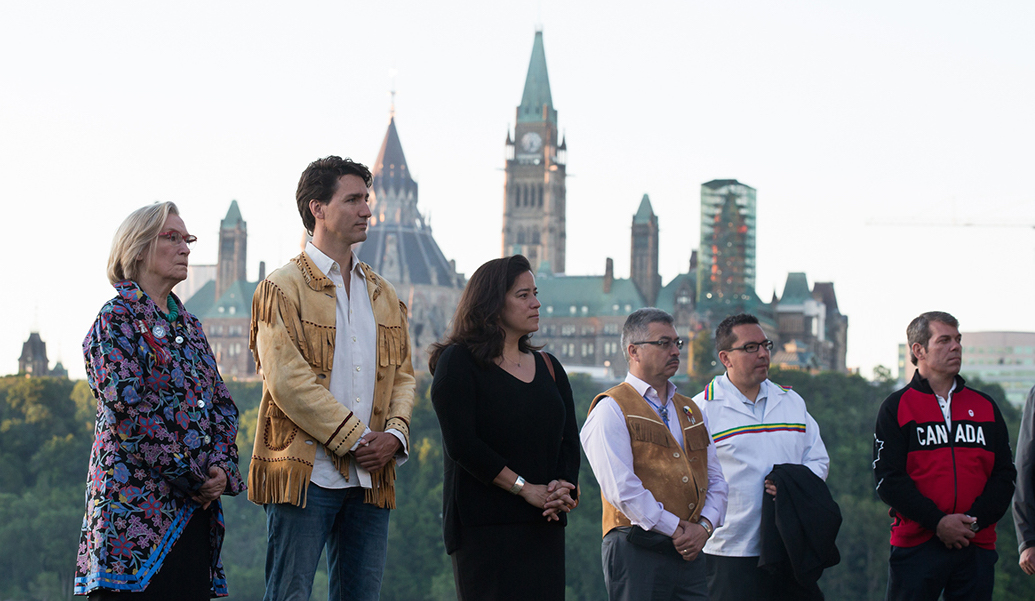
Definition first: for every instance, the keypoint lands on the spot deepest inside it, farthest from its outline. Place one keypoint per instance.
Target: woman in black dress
(511, 441)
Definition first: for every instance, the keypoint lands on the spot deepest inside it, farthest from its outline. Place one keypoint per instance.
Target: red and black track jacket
(925, 472)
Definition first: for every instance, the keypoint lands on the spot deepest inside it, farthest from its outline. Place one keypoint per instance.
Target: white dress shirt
(946, 405)
(354, 368)
(605, 438)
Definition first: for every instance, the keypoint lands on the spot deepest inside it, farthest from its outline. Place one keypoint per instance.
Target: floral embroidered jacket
(163, 417)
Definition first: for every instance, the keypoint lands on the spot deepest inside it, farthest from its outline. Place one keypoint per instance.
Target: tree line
(46, 430)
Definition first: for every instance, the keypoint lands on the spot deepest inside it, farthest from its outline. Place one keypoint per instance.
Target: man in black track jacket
(942, 461)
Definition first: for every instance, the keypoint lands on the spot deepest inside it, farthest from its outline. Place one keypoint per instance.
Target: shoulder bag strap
(549, 365)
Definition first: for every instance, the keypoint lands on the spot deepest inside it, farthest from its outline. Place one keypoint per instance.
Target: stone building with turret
(582, 316)
(224, 303)
(534, 191)
(812, 331)
(33, 361)
(644, 263)
(401, 248)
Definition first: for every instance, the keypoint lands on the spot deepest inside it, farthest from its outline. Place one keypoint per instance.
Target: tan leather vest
(676, 475)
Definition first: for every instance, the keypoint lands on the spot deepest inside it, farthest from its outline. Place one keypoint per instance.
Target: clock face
(531, 142)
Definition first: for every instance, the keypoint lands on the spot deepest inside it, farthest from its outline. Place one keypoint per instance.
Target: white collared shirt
(605, 438)
(757, 406)
(354, 369)
(946, 405)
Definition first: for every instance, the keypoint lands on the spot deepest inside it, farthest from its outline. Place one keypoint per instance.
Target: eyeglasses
(664, 343)
(176, 237)
(752, 347)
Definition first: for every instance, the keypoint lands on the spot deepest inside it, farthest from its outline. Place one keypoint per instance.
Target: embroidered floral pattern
(153, 442)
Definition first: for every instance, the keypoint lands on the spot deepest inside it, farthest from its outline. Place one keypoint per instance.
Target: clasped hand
(552, 498)
(212, 488)
(954, 530)
(375, 449)
(689, 539)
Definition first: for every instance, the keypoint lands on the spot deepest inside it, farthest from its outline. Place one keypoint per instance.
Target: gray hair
(137, 236)
(919, 330)
(637, 324)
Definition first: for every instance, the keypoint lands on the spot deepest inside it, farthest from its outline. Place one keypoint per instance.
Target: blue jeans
(356, 536)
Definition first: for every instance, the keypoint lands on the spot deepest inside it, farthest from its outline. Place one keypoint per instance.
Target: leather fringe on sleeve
(314, 341)
(382, 490)
(266, 307)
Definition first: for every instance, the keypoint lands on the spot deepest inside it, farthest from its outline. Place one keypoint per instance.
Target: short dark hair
(476, 323)
(638, 322)
(319, 181)
(919, 330)
(724, 336)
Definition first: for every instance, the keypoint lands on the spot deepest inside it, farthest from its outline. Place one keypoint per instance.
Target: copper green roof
(537, 88)
(796, 290)
(202, 300)
(733, 304)
(235, 302)
(645, 212)
(564, 292)
(585, 293)
(667, 295)
(233, 217)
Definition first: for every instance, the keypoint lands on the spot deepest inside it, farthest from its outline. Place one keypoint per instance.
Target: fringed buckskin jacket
(292, 339)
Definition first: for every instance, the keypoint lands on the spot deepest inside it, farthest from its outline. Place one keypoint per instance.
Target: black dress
(502, 547)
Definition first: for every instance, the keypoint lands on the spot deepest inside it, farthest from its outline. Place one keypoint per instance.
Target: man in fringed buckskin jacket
(330, 339)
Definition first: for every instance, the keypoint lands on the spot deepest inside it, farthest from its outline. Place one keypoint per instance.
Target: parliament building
(582, 315)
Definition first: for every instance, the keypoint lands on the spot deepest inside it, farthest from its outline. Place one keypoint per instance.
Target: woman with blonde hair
(511, 441)
(164, 441)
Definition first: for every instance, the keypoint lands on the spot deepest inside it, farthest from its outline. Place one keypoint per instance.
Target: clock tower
(534, 191)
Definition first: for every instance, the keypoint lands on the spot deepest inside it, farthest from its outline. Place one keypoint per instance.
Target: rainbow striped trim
(784, 388)
(709, 391)
(757, 429)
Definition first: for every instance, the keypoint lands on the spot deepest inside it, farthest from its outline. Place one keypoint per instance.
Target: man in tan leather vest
(662, 487)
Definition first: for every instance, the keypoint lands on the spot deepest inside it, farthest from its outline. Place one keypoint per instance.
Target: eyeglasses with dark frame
(752, 347)
(176, 237)
(664, 344)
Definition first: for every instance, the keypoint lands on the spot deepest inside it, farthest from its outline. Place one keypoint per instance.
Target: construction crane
(953, 223)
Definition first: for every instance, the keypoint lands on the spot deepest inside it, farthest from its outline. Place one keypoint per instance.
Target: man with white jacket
(755, 425)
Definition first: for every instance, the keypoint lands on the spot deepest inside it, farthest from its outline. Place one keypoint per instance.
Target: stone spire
(233, 250)
(395, 192)
(536, 101)
(643, 268)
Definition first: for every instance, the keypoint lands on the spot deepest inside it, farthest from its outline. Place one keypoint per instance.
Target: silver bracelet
(518, 485)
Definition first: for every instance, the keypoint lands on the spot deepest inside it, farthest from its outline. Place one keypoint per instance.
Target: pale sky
(842, 115)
